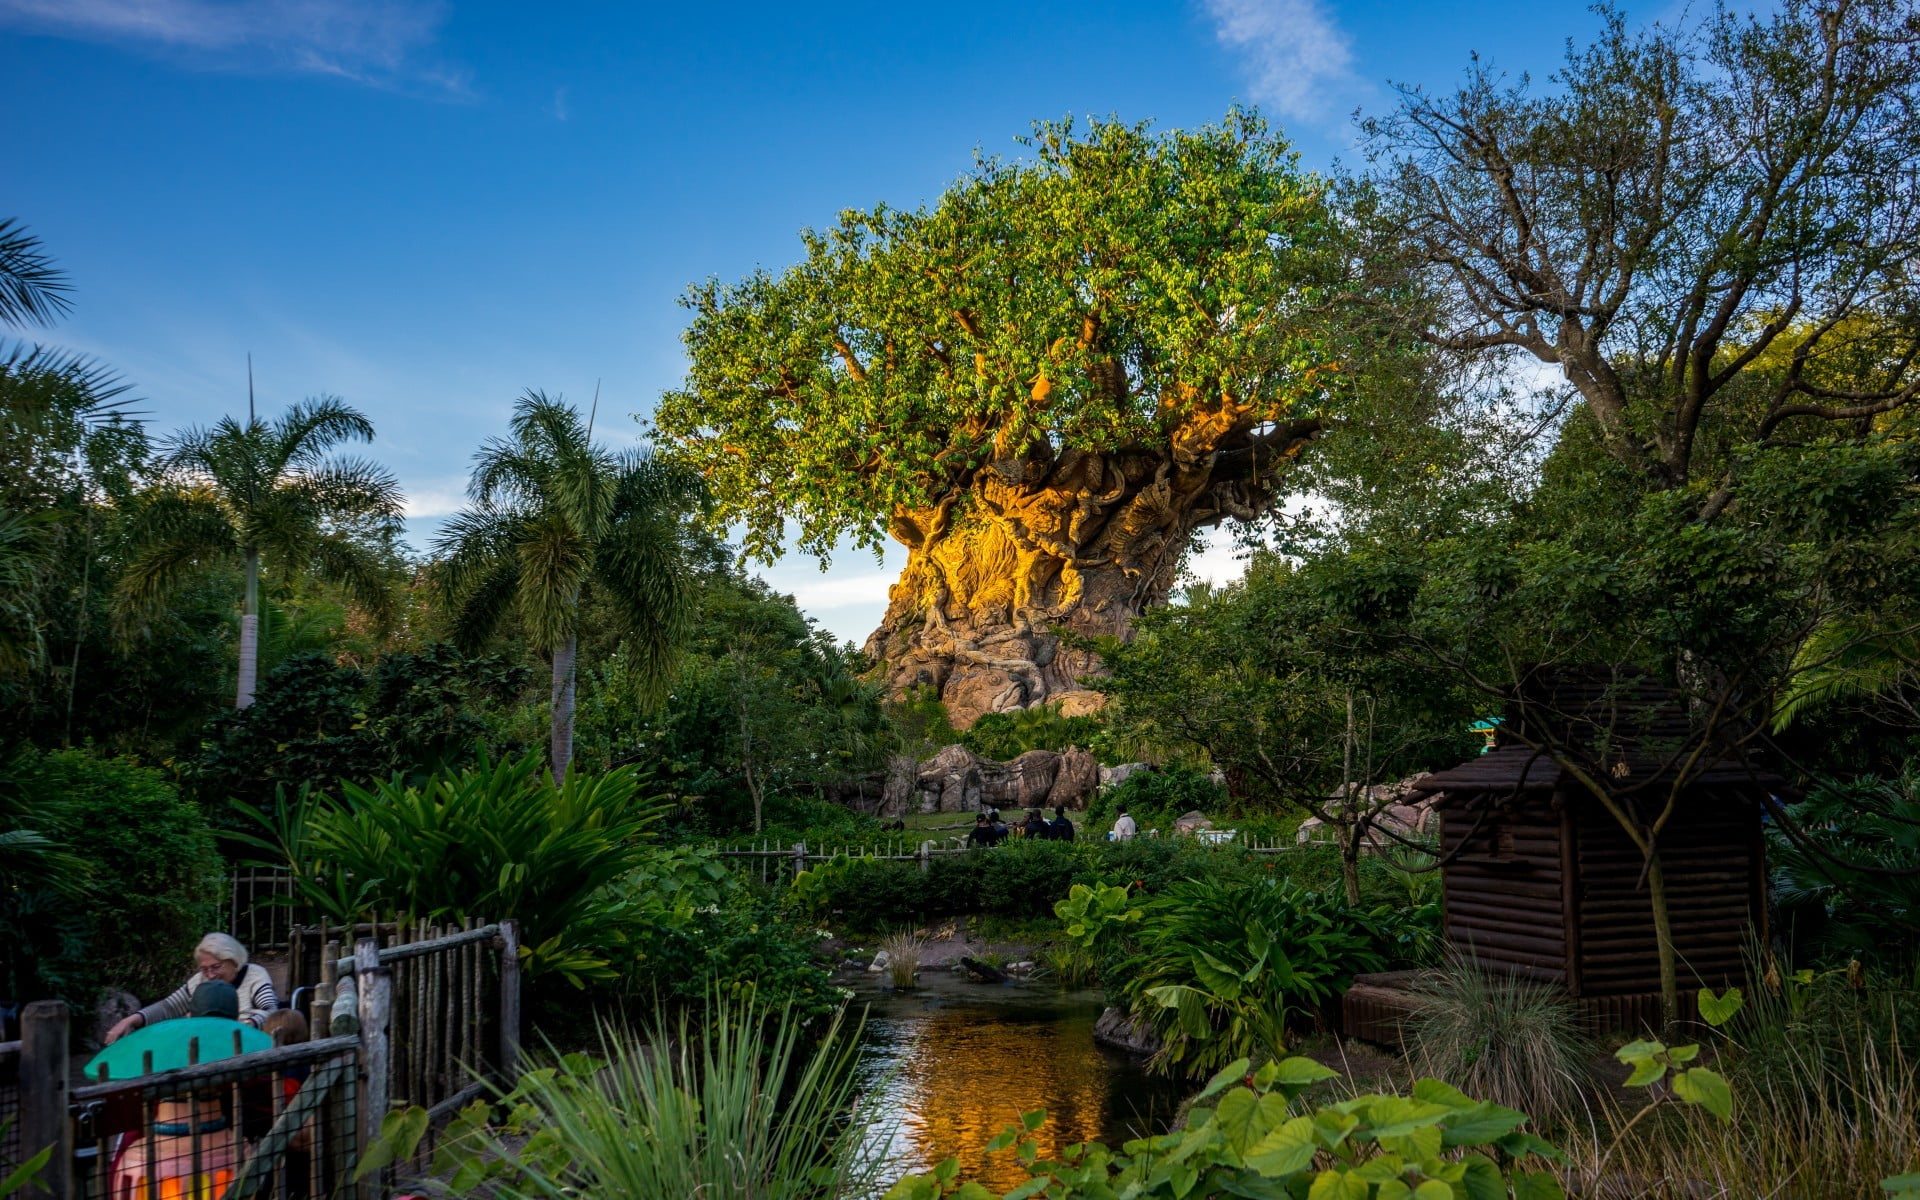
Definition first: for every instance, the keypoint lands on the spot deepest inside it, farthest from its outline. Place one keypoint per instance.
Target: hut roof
(1523, 769)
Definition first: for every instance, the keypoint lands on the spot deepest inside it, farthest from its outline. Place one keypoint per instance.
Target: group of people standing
(990, 830)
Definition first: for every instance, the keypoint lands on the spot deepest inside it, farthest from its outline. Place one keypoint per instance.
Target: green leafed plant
(493, 841)
(1218, 971)
(1251, 1133)
(731, 1105)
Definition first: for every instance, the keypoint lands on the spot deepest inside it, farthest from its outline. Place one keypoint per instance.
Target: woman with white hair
(219, 957)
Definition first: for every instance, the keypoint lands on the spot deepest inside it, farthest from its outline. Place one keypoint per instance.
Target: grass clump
(740, 1103)
(904, 950)
(1513, 1041)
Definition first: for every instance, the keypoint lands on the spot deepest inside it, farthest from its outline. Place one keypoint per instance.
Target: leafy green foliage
(887, 368)
(740, 947)
(130, 879)
(1155, 799)
(493, 841)
(1006, 736)
(1218, 971)
(264, 492)
(314, 722)
(1846, 880)
(750, 1101)
(764, 714)
(1252, 1132)
(558, 524)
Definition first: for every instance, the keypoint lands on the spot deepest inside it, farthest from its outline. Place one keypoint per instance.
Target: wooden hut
(1540, 880)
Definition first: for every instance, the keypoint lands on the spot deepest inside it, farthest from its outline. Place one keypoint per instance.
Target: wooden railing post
(43, 1097)
(375, 984)
(926, 857)
(509, 1000)
(799, 858)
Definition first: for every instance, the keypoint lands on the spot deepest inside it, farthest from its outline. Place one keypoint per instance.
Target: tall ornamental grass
(737, 1104)
(1514, 1041)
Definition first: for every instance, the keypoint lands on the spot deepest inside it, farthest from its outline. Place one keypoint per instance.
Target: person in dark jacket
(983, 833)
(1062, 828)
(1036, 826)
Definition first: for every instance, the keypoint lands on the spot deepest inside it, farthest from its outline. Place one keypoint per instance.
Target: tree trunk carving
(1037, 543)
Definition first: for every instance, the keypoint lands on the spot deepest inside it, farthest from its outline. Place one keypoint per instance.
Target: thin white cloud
(560, 110)
(824, 592)
(1293, 50)
(375, 42)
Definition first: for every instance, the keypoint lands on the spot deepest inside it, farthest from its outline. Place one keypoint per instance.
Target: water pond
(957, 1061)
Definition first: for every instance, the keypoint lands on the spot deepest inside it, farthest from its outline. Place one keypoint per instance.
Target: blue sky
(428, 208)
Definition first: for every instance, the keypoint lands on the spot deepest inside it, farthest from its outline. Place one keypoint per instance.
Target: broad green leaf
(1646, 1072)
(1337, 1185)
(1682, 1054)
(1284, 1150)
(1705, 1088)
(1433, 1189)
(1483, 1180)
(915, 1187)
(1537, 1185)
(1000, 1141)
(1183, 1179)
(1718, 1010)
(1901, 1187)
(1033, 1120)
(1226, 1077)
(1415, 1144)
(1639, 1051)
(1332, 1128)
(1434, 1091)
(1391, 1116)
(1032, 1187)
(1484, 1122)
(973, 1190)
(1393, 1189)
(1299, 1072)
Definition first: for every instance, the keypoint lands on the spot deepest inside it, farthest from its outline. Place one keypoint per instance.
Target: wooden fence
(430, 1018)
(768, 862)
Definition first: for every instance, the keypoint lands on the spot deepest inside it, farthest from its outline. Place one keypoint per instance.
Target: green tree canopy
(1041, 385)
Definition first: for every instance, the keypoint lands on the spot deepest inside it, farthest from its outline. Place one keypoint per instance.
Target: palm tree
(33, 291)
(238, 494)
(556, 520)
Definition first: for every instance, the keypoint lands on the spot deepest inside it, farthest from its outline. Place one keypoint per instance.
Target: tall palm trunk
(249, 633)
(563, 657)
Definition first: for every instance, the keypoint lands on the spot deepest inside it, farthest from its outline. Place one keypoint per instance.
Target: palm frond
(554, 566)
(1846, 660)
(312, 427)
(485, 602)
(351, 489)
(368, 576)
(509, 475)
(471, 544)
(24, 559)
(33, 289)
(642, 567)
(89, 390)
(174, 532)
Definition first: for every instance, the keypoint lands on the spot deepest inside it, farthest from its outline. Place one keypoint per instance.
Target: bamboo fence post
(44, 1068)
(509, 999)
(376, 1063)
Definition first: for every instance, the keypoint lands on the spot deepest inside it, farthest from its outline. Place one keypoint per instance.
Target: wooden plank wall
(1713, 882)
(1504, 898)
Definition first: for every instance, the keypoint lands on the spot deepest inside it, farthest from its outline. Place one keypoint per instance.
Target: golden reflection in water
(960, 1079)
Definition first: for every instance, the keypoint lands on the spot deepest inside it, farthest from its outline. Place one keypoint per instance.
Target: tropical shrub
(739, 948)
(1004, 736)
(1155, 799)
(1221, 971)
(1020, 880)
(137, 882)
(1849, 885)
(314, 721)
(740, 1103)
(493, 841)
(1254, 1133)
